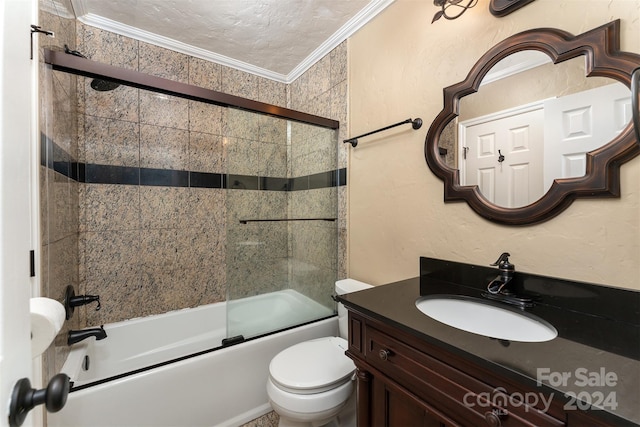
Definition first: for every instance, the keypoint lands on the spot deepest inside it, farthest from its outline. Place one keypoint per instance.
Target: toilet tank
(346, 286)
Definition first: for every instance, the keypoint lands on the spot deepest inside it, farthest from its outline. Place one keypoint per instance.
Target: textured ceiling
(278, 39)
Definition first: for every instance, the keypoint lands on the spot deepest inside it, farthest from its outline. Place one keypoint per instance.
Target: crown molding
(346, 31)
(353, 25)
(177, 46)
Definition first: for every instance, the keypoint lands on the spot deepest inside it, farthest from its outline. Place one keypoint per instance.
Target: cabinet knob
(493, 418)
(384, 354)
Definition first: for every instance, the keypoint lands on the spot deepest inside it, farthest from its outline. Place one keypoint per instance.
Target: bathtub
(171, 370)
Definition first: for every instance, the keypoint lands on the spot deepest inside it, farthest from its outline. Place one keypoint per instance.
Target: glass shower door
(271, 217)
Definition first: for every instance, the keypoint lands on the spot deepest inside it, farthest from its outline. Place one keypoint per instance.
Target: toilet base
(345, 418)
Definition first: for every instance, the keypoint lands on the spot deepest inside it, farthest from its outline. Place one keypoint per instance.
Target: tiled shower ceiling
(277, 39)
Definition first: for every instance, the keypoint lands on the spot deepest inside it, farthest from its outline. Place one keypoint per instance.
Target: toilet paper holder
(71, 301)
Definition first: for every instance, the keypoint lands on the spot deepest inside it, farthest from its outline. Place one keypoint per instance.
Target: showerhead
(97, 84)
(103, 85)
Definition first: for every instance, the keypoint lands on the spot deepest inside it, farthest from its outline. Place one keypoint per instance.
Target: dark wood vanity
(403, 381)
(415, 371)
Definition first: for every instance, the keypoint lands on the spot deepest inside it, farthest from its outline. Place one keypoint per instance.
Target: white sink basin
(479, 317)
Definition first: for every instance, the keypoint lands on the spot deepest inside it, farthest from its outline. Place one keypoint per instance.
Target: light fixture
(459, 6)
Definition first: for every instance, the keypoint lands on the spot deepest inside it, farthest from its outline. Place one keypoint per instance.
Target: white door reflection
(540, 142)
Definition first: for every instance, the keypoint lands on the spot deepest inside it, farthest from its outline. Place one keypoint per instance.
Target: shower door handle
(24, 398)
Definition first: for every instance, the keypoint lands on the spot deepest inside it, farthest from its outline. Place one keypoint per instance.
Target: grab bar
(635, 101)
(416, 124)
(245, 221)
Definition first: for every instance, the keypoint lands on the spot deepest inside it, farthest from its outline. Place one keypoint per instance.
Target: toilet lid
(312, 365)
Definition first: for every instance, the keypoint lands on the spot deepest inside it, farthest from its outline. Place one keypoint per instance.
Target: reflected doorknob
(24, 398)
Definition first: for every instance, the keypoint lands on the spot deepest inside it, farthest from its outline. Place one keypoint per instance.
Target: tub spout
(77, 336)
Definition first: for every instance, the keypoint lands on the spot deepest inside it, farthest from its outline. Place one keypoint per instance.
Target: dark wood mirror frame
(505, 7)
(603, 58)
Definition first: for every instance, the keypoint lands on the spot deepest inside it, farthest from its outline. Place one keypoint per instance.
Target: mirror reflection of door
(540, 142)
(502, 154)
(578, 123)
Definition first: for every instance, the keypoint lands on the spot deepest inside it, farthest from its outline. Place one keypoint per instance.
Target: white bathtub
(223, 387)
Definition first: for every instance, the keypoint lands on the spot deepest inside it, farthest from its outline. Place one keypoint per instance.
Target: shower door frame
(61, 61)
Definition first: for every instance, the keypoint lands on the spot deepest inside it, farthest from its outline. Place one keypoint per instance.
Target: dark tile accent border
(164, 177)
(105, 174)
(274, 184)
(81, 172)
(242, 182)
(342, 176)
(322, 180)
(334, 178)
(54, 157)
(46, 158)
(206, 180)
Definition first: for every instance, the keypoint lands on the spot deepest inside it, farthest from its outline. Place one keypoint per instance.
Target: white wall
(399, 64)
(16, 132)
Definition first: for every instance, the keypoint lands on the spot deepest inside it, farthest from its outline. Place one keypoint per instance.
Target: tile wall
(59, 191)
(148, 249)
(159, 246)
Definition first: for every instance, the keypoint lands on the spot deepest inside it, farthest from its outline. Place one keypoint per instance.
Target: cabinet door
(395, 407)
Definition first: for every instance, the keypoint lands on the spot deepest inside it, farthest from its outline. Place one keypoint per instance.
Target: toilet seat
(312, 366)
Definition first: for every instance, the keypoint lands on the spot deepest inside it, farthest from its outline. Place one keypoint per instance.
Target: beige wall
(398, 65)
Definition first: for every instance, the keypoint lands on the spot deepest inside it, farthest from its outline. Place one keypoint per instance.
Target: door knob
(24, 398)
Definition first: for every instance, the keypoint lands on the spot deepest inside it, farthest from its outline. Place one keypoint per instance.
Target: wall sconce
(497, 8)
(459, 6)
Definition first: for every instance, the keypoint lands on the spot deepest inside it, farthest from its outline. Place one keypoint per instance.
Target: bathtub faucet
(77, 336)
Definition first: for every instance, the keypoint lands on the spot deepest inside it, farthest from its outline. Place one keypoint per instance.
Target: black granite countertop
(595, 357)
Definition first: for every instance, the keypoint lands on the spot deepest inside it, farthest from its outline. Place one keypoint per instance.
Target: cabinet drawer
(465, 399)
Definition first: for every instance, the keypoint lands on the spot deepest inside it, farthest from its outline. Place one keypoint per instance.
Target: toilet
(311, 384)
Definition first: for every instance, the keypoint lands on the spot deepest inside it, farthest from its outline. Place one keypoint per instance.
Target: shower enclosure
(176, 197)
(281, 219)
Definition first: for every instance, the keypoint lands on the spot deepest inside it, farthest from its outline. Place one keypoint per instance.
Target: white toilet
(312, 383)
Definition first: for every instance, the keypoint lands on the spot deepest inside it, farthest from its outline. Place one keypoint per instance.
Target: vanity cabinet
(403, 380)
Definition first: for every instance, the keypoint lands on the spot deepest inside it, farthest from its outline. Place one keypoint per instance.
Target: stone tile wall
(59, 202)
(150, 249)
(159, 262)
(322, 90)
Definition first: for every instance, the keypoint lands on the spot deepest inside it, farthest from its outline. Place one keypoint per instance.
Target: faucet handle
(503, 262)
(71, 301)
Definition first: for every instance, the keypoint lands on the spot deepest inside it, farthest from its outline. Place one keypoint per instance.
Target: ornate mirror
(542, 118)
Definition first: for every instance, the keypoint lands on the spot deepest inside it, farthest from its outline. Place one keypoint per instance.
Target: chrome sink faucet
(507, 271)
